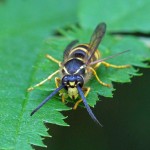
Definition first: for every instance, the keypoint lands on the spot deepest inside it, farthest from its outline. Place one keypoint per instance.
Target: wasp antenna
(87, 106)
(47, 99)
(109, 57)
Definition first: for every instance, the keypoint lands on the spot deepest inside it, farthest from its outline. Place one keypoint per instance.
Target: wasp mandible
(79, 63)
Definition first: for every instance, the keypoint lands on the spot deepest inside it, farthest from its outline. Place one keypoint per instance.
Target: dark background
(125, 118)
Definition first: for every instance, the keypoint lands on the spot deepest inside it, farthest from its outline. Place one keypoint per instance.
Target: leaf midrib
(26, 99)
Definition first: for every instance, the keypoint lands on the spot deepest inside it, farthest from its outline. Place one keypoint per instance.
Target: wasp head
(70, 82)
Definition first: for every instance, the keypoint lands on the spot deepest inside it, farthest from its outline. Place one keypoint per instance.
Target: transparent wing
(68, 48)
(96, 39)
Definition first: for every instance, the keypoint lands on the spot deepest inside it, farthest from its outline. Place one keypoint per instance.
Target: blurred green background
(24, 27)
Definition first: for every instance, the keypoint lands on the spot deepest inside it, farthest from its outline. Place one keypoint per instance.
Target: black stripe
(78, 53)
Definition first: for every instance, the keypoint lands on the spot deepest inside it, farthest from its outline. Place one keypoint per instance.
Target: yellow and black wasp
(79, 63)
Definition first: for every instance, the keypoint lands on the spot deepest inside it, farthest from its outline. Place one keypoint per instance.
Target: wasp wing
(96, 39)
(68, 48)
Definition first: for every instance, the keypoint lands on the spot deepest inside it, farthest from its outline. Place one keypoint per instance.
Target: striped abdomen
(82, 52)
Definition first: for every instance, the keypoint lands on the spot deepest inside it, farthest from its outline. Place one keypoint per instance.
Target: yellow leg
(115, 66)
(87, 90)
(63, 98)
(95, 74)
(57, 82)
(42, 82)
(53, 59)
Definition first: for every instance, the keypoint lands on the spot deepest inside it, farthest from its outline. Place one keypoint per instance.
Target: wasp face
(70, 82)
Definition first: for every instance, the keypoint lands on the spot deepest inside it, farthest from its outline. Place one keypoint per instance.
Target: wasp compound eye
(65, 80)
(80, 81)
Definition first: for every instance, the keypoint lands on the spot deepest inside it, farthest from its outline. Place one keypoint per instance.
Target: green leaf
(24, 25)
(126, 16)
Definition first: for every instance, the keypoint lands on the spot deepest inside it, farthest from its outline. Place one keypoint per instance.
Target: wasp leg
(57, 82)
(53, 59)
(98, 79)
(115, 66)
(86, 90)
(42, 82)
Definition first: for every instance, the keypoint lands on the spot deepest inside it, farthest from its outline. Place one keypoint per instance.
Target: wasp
(79, 63)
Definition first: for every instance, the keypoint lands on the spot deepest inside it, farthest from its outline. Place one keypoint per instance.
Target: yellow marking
(57, 82)
(115, 66)
(84, 45)
(97, 54)
(80, 59)
(96, 65)
(73, 92)
(77, 70)
(53, 59)
(95, 74)
(96, 57)
(78, 48)
(63, 98)
(83, 66)
(74, 58)
(69, 60)
(87, 90)
(66, 70)
(42, 82)
(72, 83)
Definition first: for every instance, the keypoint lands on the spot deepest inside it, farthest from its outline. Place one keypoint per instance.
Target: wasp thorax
(72, 81)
